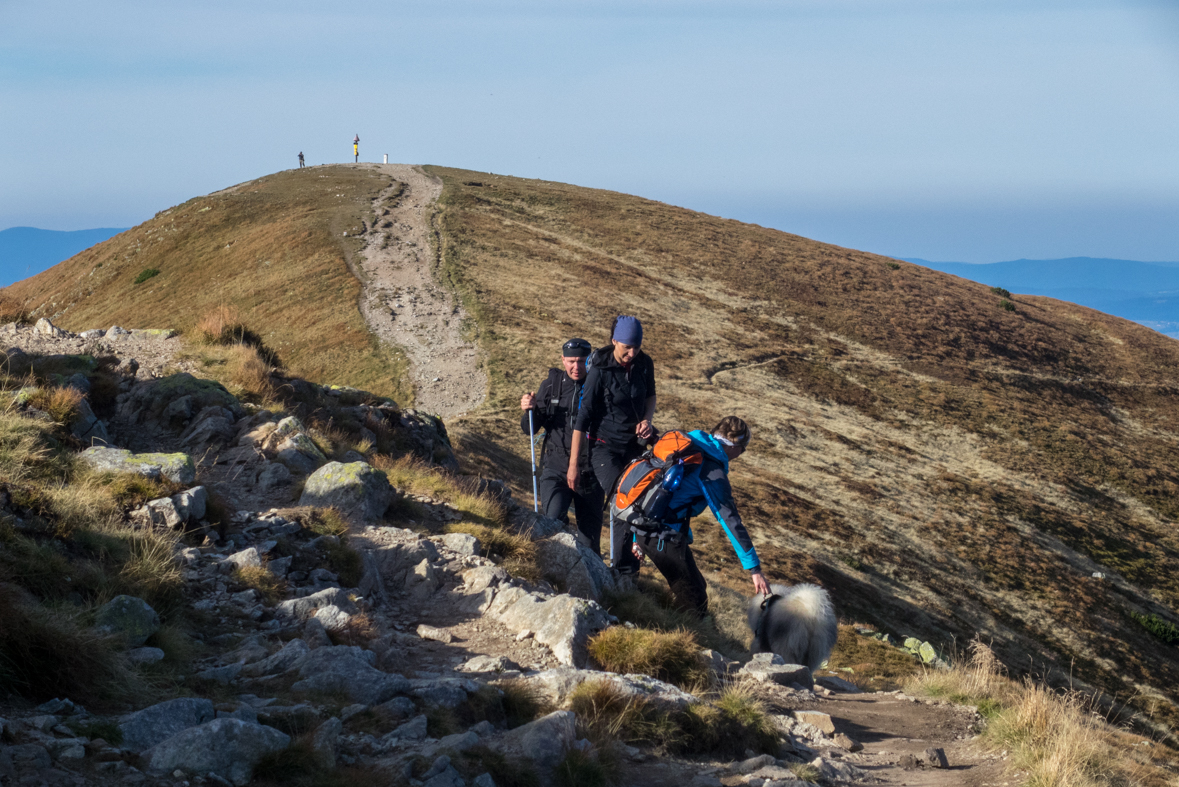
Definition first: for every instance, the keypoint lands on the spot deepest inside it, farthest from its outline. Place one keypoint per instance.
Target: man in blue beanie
(554, 408)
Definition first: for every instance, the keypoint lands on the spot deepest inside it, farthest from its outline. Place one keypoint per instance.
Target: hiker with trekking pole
(614, 419)
(659, 493)
(552, 408)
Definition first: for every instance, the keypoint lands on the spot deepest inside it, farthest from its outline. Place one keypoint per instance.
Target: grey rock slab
(174, 467)
(333, 618)
(563, 623)
(543, 741)
(476, 580)
(191, 504)
(229, 748)
(782, 674)
(486, 664)
(435, 634)
(555, 686)
(755, 763)
(303, 608)
(348, 671)
(462, 543)
(163, 513)
(325, 743)
(442, 692)
(936, 757)
(412, 730)
(838, 771)
(357, 490)
(223, 675)
(130, 618)
(247, 558)
(535, 526)
(817, 719)
(837, 684)
(145, 728)
(273, 476)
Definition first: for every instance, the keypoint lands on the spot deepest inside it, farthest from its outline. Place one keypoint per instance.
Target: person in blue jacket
(704, 486)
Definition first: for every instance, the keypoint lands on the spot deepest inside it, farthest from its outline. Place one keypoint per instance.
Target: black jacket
(615, 399)
(553, 411)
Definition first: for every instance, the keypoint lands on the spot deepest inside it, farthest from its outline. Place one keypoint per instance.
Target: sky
(938, 129)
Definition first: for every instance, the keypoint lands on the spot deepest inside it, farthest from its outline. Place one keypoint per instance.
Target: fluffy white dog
(798, 623)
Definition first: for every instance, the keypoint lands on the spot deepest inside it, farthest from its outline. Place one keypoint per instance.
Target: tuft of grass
(1056, 738)
(146, 274)
(586, 769)
(131, 490)
(326, 522)
(516, 552)
(61, 404)
(652, 606)
(605, 714)
(667, 655)
(47, 653)
(11, 309)
(263, 581)
(249, 374)
(733, 722)
(520, 702)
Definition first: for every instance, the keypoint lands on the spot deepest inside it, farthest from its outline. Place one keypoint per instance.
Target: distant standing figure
(356, 149)
(300, 159)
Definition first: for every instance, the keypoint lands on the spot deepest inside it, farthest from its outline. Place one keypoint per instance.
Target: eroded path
(405, 305)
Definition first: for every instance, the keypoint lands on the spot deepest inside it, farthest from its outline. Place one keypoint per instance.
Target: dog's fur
(801, 627)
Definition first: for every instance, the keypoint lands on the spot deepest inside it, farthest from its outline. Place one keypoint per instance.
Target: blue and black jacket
(707, 486)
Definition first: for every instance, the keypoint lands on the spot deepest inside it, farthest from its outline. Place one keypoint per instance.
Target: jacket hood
(710, 445)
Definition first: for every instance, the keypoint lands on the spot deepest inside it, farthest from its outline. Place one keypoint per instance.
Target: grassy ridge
(274, 249)
(945, 464)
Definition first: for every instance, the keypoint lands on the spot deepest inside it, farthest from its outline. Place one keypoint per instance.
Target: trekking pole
(532, 446)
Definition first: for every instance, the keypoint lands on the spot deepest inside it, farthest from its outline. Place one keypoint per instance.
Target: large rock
(574, 567)
(191, 504)
(536, 526)
(348, 671)
(555, 685)
(563, 622)
(544, 741)
(212, 427)
(128, 617)
(172, 401)
(291, 446)
(86, 427)
(229, 748)
(303, 608)
(325, 743)
(144, 729)
(46, 328)
(771, 668)
(290, 657)
(358, 491)
(174, 467)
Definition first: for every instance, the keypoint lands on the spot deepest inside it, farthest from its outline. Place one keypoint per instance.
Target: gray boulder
(86, 427)
(543, 741)
(289, 657)
(573, 567)
(325, 743)
(191, 504)
(143, 729)
(462, 543)
(358, 491)
(163, 514)
(770, 668)
(563, 622)
(128, 617)
(229, 748)
(46, 328)
(273, 476)
(349, 671)
(174, 467)
(303, 608)
(535, 526)
(171, 401)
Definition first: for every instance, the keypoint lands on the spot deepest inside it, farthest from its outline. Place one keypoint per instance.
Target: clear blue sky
(973, 131)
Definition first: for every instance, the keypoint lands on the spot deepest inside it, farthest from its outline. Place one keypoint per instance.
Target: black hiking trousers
(676, 563)
(608, 462)
(556, 497)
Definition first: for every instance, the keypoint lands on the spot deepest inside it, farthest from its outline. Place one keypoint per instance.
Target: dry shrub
(521, 702)
(47, 653)
(249, 372)
(262, 580)
(221, 325)
(672, 656)
(326, 522)
(606, 714)
(60, 403)
(411, 474)
(652, 606)
(733, 722)
(150, 570)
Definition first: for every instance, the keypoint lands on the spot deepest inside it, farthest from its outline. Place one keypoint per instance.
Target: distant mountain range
(1145, 292)
(26, 251)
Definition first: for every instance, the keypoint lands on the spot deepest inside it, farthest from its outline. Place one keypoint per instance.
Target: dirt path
(404, 304)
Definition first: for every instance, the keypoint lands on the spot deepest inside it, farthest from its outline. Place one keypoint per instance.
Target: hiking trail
(405, 305)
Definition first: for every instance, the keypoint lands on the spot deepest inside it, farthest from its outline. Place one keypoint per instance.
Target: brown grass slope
(945, 466)
(273, 248)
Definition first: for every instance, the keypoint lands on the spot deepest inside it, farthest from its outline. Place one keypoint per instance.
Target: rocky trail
(390, 648)
(406, 306)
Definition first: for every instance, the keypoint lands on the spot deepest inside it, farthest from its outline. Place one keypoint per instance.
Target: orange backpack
(647, 484)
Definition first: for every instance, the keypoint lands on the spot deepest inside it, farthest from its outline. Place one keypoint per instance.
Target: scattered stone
(462, 543)
(348, 670)
(247, 558)
(435, 634)
(845, 742)
(145, 655)
(755, 763)
(936, 758)
(770, 668)
(837, 684)
(816, 719)
(303, 608)
(543, 741)
(412, 730)
(129, 617)
(333, 618)
(46, 328)
(325, 743)
(908, 762)
(485, 664)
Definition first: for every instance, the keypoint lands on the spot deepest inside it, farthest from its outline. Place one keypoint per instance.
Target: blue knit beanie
(628, 330)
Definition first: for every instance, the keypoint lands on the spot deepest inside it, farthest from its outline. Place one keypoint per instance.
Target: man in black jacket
(554, 409)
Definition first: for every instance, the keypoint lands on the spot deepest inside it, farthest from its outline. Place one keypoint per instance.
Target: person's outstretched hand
(760, 586)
